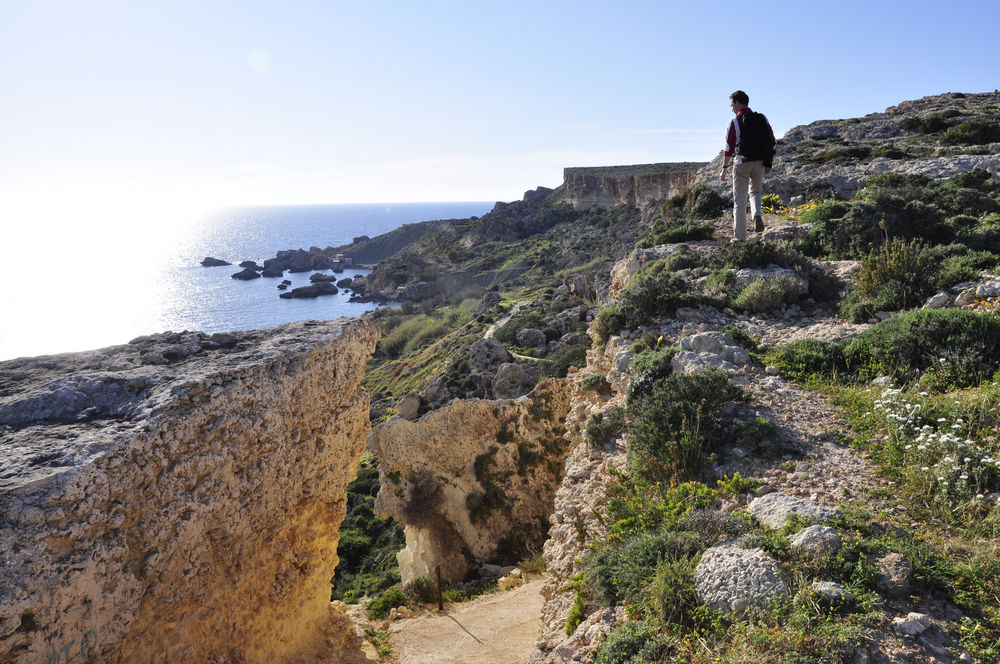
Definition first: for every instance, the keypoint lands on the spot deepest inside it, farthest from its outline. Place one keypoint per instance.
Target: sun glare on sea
(83, 273)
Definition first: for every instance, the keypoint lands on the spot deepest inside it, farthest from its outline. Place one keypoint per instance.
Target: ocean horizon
(94, 287)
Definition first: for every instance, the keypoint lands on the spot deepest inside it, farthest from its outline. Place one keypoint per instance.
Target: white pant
(748, 175)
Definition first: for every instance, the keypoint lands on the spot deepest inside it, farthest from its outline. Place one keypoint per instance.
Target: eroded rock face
(182, 510)
(477, 476)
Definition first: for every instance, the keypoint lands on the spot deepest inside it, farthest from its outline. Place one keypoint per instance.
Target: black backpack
(755, 138)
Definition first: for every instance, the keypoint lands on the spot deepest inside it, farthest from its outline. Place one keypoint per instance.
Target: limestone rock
(939, 300)
(709, 350)
(894, 574)
(529, 336)
(417, 291)
(469, 475)
(730, 579)
(193, 516)
(513, 380)
(485, 355)
(913, 624)
(831, 594)
(774, 508)
(817, 540)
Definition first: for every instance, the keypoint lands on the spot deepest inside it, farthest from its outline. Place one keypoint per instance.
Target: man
(750, 144)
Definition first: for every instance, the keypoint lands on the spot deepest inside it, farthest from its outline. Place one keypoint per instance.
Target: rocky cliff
(177, 499)
(608, 186)
(472, 481)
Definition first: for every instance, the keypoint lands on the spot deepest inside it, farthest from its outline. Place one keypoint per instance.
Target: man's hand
(767, 169)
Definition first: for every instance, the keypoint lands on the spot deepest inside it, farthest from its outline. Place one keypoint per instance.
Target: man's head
(739, 99)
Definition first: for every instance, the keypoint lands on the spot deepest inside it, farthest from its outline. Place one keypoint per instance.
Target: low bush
(655, 291)
(558, 363)
(380, 606)
(962, 347)
(604, 428)
(669, 427)
(977, 131)
(766, 294)
(648, 368)
(898, 275)
(632, 643)
(805, 358)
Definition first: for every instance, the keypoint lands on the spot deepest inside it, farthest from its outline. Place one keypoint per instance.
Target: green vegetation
(976, 131)
(604, 428)
(368, 543)
(907, 207)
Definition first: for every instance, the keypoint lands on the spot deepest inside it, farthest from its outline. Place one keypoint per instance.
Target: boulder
(408, 407)
(246, 274)
(913, 624)
(830, 593)
(344, 283)
(894, 573)
(319, 276)
(730, 579)
(774, 508)
(419, 290)
(530, 336)
(514, 380)
(485, 355)
(251, 264)
(214, 262)
(939, 300)
(817, 540)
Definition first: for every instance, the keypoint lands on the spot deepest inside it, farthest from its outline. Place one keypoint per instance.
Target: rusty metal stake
(440, 596)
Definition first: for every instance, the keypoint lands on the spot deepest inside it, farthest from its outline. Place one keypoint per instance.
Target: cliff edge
(177, 498)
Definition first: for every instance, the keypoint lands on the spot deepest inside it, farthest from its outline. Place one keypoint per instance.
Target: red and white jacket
(733, 138)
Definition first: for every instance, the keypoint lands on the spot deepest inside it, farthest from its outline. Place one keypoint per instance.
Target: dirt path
(498, 629)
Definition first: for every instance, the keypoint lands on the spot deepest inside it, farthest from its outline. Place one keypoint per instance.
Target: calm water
(95, 284)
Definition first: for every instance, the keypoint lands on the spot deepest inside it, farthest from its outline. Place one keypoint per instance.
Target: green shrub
(621, 574)
(673, 594)
(961, 347)
(672, 231)
(766, 294)
(823, 286)
(558, 363)
(380, 606)
(929, 124)
(604, 428)
(799, 360)
(669, 426)
(577, 612)
(825, 211)
(655, 291)
(633, 643)
(648, 368)
(963, 265)
(421, 590)
(596, 381)
(899, 275)
(977, 131)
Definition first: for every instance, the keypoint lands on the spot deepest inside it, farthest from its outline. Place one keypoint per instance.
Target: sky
(141, 104)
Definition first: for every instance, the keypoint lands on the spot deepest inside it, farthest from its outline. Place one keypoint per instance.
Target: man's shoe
(758, 224)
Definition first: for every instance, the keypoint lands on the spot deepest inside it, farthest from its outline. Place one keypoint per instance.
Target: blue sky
(212, 103)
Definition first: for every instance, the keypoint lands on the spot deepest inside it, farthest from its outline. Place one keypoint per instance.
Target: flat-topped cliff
(608, 186)
(177, 498)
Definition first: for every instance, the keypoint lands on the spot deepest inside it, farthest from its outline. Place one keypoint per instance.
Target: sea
(79, 286)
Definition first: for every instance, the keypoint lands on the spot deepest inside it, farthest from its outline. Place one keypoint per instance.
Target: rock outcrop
(177, 498)
(474, 481)
(608, 186)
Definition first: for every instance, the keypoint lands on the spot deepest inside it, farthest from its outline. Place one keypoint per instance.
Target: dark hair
(741, 97)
